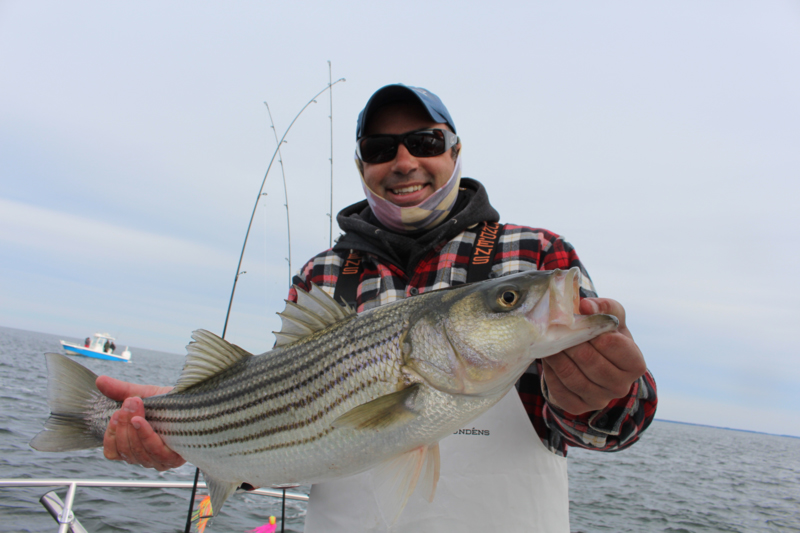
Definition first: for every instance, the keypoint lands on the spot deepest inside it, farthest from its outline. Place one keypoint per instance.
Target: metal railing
(63, 514)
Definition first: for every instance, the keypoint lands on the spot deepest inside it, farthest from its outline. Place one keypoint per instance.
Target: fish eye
(508, 298)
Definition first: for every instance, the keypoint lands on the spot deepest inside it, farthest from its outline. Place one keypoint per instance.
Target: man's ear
(455, 151)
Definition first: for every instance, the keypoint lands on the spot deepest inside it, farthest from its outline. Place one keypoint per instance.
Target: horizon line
(724, 427)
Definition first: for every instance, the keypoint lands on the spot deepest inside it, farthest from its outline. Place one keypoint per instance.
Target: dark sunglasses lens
(425, 144)
(382, 148)
(378, 149)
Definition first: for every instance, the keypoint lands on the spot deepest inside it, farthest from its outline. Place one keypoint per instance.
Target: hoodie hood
(363, 232)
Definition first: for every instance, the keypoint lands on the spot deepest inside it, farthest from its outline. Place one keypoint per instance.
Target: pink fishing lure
(269, 527)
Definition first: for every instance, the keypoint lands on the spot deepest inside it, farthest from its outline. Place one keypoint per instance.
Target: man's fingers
(129, 437)
(120, 441)
(606, 306)
(126, 433)
(136, 452)
(580, 379)
(617, 346)
(160, 455)
(571, 378)
(592, 367)
(619, 349)
(588, 376)
(119, 390)
(560, 395)
(110, 439)
(580, 369)
(606, 368)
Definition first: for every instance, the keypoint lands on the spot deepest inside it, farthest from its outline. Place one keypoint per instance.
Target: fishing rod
(285, 194)
(330, 213)
(258, 197)
(239, 272)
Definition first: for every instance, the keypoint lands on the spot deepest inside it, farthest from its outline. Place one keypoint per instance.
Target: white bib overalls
(496, 475)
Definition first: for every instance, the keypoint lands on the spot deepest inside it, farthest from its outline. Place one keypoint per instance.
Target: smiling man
(392, 174)
(424, 227)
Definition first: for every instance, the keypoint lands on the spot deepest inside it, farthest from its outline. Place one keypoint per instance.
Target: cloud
(83, 240)
(669, 164)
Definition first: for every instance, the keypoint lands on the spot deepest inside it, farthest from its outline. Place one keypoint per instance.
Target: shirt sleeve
(322, 270)
(613, 428)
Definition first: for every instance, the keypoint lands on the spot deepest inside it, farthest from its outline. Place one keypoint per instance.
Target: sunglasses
(382, 147)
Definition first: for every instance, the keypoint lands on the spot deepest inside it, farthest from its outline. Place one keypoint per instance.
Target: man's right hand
(129, 437)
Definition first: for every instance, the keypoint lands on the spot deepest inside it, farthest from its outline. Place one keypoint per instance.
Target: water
(23, 410)
(679, 478)
(684, 478)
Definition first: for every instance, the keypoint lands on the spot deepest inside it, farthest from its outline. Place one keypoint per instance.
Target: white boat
(99, 347)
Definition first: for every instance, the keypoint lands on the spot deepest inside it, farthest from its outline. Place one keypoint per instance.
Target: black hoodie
(365, 233)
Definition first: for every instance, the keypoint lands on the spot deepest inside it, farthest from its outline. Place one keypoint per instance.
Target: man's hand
(588, 376)
(129, 437)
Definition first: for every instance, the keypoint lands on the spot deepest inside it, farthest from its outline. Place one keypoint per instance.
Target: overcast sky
(660, 138)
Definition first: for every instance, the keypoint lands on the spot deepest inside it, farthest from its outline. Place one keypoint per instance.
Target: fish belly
(320, 452)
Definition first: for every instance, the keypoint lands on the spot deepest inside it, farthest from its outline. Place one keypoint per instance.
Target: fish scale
(273, 415)
(341, 393)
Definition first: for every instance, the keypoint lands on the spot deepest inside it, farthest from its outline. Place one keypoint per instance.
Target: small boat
(99, 347)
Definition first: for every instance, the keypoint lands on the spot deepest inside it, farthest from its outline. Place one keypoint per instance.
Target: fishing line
(239, 272)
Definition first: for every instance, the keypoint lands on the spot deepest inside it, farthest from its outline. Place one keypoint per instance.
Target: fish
(342, 392)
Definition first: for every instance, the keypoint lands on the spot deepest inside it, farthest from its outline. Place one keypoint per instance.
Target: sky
(659, 138)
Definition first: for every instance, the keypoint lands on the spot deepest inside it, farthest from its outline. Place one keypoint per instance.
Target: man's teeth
(407, 190)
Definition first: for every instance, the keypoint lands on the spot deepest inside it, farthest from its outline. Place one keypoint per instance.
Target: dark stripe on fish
(270, 431)
(216, 400)
(206, 397)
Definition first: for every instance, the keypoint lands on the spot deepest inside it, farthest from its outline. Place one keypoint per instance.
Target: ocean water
(678, 478)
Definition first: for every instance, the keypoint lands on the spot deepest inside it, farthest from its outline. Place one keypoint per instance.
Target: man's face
(406, 180)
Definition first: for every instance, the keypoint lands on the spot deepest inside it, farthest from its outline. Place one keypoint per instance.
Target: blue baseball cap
(404, 93)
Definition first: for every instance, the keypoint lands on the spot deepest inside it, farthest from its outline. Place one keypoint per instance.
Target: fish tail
(79, 413)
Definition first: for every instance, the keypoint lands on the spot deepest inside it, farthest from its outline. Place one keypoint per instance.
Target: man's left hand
(588, 376)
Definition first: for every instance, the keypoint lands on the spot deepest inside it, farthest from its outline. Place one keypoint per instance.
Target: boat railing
(62, 511)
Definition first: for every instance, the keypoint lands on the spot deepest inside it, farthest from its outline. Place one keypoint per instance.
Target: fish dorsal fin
(315, 310)
(323, 304)
(207, 355)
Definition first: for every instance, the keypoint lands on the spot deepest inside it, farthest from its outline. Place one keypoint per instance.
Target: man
(417, 231)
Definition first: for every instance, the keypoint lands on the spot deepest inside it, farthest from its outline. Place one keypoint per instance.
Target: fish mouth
(557, 316)
(565, 296)
(562, 303)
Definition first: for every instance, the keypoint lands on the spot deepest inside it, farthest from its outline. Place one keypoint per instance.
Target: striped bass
(341, 392)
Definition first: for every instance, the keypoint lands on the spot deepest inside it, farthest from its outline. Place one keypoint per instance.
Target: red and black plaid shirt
(519, 249)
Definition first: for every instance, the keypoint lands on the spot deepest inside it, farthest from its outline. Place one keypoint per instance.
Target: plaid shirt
(519, 249)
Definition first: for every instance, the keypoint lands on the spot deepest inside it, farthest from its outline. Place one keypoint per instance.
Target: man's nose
(404, 162)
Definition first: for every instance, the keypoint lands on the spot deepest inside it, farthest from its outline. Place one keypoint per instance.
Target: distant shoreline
(722, 427)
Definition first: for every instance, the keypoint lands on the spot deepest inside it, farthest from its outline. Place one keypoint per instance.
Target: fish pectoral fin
(206, 356)
(396, 479)
(383, 412)
(219, 492)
